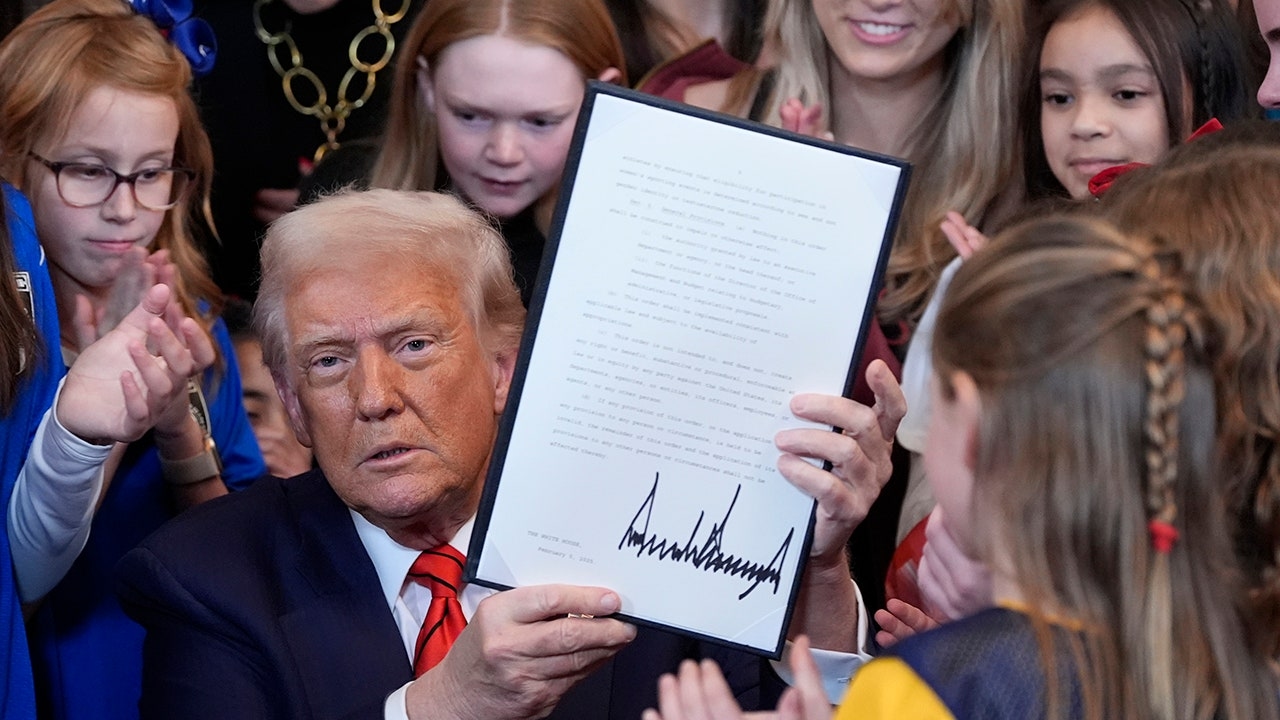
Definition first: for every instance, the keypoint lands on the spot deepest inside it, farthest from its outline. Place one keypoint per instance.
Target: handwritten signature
(710, 557)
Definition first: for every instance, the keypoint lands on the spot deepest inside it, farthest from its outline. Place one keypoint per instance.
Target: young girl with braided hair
(1091, 430)
(1075, 457)
(1214, 203)
(98, 129)
(1115, 82)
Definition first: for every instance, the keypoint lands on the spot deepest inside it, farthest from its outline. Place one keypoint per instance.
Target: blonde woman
(932, 81)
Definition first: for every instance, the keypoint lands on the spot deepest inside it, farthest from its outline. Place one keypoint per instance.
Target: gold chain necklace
(333, 118)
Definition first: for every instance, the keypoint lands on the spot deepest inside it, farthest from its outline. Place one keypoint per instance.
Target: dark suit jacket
(264, 604)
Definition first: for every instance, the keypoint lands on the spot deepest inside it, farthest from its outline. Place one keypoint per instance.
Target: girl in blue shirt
(99, 130)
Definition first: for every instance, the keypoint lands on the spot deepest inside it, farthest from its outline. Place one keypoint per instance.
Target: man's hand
(827, 610)
(859, 457)
(520, 653)
(116, 389)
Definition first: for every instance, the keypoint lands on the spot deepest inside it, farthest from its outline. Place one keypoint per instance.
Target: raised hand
(952, 584)
(900, 620)
(521, 653)
(700, 692)
(138, 273)
(965, 238)
(117, 389)
(799, 118)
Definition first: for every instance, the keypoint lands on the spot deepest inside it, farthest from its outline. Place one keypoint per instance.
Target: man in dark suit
(391, 323)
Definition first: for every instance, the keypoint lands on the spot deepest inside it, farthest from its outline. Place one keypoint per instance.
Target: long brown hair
(21, 348)
(52, 61)
(1096, 420)
(1215, 204)
(581, 29)
(1192, 46)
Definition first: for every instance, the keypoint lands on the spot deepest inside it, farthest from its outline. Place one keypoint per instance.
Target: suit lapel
(347, 648)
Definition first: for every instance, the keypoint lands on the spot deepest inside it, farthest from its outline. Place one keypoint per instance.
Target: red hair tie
(1163, 536)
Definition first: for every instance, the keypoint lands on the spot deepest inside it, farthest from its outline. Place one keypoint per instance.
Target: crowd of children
(1091, 526)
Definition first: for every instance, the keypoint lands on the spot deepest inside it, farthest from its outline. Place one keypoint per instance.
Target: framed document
(701, 270)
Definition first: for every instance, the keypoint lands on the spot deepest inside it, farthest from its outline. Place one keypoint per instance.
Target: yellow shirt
(888, 688)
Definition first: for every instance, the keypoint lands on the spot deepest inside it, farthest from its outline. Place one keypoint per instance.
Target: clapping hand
(799, 118)
(700, 692)
(965, 238)
(122, 382)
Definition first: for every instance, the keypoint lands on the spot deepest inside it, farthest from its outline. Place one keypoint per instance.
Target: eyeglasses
(85, 185)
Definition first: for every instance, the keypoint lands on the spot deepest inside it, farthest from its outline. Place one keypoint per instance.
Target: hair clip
(1208, 128)
(191, 35)
(1099, 184)
(1163, 535)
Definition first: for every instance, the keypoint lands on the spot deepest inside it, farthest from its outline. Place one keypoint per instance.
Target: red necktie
(440, 571)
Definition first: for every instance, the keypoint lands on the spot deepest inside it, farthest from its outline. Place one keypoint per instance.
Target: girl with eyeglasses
(57, 431)
(99, 131)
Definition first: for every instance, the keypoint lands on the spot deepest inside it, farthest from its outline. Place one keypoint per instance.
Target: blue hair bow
(191, 35)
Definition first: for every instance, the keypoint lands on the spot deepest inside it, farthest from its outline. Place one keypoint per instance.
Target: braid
(1166, 334)
(1165, 361)
(1207, 84)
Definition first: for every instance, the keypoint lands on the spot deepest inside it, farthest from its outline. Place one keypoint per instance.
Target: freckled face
(394, 393)
(890, 41)
(505, 111)
(127, 132)
(1102, 104)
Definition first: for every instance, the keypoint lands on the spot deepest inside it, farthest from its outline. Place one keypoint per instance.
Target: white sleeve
(396, 706)
(52, 505)
(836, 668)
(917, 369)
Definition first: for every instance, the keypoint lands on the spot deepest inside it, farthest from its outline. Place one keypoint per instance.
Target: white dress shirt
(408, 602)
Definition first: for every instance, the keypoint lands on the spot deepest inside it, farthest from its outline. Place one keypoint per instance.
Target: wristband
(195, 469)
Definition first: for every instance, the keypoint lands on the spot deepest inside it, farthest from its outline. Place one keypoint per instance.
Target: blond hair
(965, 148)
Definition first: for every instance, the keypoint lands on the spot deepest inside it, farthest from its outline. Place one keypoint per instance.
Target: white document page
(705, 273)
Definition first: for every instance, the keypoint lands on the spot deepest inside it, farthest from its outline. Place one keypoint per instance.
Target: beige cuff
(195, 469)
